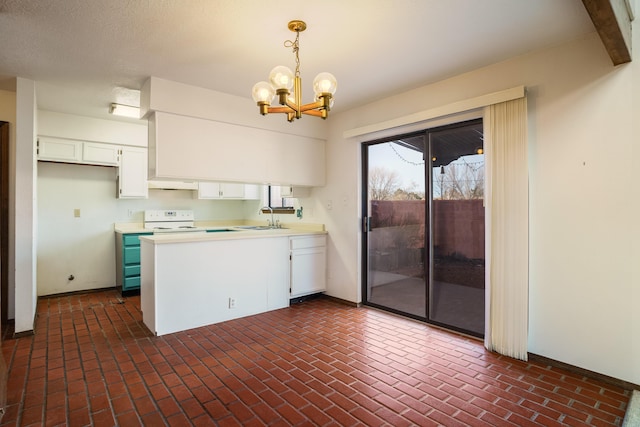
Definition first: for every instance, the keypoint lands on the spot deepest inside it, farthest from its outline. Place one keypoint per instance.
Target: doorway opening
(423, 228)
(4, 223)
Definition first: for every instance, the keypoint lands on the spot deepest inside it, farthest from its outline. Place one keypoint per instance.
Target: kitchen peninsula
(190, 280)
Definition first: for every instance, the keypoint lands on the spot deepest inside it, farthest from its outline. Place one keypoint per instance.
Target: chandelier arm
(311, 106)
(287, 110)
(292, 105)
(316, 113)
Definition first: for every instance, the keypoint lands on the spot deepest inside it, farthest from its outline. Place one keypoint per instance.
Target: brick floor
(93, 362)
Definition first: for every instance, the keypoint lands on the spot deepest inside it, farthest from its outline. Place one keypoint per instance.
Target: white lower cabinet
(215, 283)
(308, 265)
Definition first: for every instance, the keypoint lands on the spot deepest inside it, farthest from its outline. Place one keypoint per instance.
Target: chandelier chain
(296, 48)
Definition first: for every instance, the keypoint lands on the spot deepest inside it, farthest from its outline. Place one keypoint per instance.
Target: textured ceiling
(81, 51)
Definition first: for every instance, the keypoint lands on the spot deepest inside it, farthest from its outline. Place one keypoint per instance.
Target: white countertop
(294, 229)
(226, 235)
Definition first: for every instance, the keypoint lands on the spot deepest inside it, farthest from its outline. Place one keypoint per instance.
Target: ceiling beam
(612, 19)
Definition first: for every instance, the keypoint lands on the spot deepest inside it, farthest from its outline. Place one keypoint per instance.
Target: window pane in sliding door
(456, 291)
(396, 210)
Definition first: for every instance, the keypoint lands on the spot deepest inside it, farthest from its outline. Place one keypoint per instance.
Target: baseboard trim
(584, 372)
(23, 334)
(80, 292)
(342, 301)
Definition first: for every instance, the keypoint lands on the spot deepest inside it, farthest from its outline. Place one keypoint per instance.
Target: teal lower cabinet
(128, 262)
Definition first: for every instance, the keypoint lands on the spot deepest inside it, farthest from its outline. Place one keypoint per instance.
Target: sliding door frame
(428, 219)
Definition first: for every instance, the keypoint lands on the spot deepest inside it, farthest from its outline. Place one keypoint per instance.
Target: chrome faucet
(269, 223)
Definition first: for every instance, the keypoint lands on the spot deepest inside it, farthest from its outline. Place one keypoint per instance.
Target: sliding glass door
(396, 207)
(424, 226)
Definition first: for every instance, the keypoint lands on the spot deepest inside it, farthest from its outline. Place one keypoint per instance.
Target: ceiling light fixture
(283, 80)
(124, 110)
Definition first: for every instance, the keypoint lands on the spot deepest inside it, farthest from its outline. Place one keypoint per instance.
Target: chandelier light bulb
(263, 92)
(281, 77)
(325, 83)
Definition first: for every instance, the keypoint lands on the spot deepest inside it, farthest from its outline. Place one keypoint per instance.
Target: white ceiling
(81, 51)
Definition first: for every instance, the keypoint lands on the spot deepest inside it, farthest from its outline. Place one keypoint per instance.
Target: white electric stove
(171, 221)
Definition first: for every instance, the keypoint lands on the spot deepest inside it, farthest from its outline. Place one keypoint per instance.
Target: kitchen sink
(258, 227)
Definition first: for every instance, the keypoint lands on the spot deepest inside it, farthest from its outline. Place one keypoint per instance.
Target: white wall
(51, 123)
(25, 207)
(584, 281)
(85, 247)
(634, 194)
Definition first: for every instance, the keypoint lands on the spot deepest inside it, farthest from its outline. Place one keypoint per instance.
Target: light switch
(76, 213)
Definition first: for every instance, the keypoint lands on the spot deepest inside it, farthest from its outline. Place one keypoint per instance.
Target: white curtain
(507, 228)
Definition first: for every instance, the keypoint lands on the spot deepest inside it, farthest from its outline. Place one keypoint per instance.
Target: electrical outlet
(232, 303)
(76, 213)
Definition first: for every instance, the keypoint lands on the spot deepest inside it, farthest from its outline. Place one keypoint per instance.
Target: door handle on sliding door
(366, 224)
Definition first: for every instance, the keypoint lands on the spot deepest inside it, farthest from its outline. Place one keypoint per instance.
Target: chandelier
(282, 81)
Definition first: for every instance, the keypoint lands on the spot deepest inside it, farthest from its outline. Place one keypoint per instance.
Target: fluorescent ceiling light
(124, 110)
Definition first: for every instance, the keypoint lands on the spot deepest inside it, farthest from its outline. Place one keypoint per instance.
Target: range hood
(173, 185)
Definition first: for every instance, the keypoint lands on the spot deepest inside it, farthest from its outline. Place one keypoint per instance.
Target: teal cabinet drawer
(132, 270)
(131, 283)
(128, 261)
(131, 255)
(131, 240)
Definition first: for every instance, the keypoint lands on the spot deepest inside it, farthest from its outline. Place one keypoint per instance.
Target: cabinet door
(232, 191)
(132, 174)
(220, 190)
(59, 150)
(100, 154)
(208, 190)
(308, 271)
(291, 191)
(252, 192)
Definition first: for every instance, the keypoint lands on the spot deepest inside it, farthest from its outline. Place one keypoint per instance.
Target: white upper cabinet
(59, 150)
(253, 191)
(73, 151)
(100, 154)
(131, 161)
(227, 190)
(191, 148)
(132, 173)
(295, 192)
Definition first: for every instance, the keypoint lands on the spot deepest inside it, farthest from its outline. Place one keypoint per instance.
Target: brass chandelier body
(283, 81)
